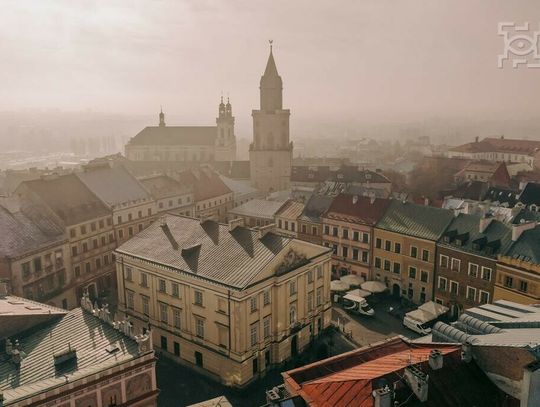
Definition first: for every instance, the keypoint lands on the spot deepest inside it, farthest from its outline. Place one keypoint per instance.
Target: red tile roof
(358, 209)
(350, 378)
(500, 145)
(206, 183)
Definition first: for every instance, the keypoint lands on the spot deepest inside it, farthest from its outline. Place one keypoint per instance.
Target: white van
(422, 319)
(357, 305)
(417, 326)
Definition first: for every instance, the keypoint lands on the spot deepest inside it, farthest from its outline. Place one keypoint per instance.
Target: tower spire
(161, 117)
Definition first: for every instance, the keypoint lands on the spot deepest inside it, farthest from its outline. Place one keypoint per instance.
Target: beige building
(256, 212)
(286, 218)
(270, 153)
(404, 250)
(186, 143)
(231, 302)
(170, 195)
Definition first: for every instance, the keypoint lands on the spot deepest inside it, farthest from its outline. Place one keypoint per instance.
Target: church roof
(271, 69)
(175, 135)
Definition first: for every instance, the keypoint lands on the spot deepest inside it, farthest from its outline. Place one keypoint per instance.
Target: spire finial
(271, 42)
(161, 108)
(221, 96)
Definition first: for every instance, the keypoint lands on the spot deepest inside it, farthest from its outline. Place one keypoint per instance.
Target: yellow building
(404, 248)
(229, 301)
(518, 270)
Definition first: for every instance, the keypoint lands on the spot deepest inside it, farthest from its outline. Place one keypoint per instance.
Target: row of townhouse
(62, 229)
(424, 253)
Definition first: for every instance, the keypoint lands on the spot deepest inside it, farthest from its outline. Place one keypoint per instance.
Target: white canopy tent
(338, 285)
(352, 279)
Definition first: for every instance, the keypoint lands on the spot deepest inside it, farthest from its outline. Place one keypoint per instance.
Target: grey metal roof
(114, 185)
(239, 187)
(20, 235)
(258, 208)
(162, 186)
(315, 207)
(207, 250)
(176, 135)
(291, 210)
(85, 333)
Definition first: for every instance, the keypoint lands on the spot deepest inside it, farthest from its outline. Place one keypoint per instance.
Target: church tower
(225, 140)
(270, 153)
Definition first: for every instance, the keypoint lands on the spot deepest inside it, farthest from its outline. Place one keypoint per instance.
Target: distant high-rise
(270, 153)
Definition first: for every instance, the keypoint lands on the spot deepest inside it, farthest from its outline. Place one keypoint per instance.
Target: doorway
(294, 345)
(396, 291)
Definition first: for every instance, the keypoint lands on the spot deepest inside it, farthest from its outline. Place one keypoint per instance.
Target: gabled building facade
(170, 195)
(230, 302)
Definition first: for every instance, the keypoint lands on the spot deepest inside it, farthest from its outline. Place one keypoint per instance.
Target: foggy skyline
(372, 61)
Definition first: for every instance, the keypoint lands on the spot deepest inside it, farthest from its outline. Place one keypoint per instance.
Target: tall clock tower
(270, 153)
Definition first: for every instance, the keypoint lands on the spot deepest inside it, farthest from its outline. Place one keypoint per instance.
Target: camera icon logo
(521, 45)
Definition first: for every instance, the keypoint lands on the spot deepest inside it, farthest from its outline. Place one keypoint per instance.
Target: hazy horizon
(375, 61)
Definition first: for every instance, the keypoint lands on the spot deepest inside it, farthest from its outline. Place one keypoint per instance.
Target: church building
(270, 153)
(186, 143)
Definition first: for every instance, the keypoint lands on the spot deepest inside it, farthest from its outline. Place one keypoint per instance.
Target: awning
(337, 285)
(352, 279)
(374, 286)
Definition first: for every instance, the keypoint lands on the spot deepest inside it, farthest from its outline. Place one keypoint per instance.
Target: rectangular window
(483, 297)
(162, 286)
(144, 279)
(253, 334)
(266, 327)
(473, 270)
(365, 257)
(26, 269)
(377, 262)
(199, 298)
(523, 286)
(93, 226)
(73, 233)
(486, 273)
(266, 297)
(292, 288)
(345, 251)
(279, 224)
(387, 265)
(388, 245)
(397, 268)
(441, 285)
(471, 293)
(83, 229)
(508, 281)
(199, 327)
(443, 261)
(455, 264)
(175, 290)
(253, 303)
(319, 272)
(334, 231)
(310, 276)
(412, 272)
(74, 250)
(414, 252)
(319, 296)
(87, 267)
(129, 274)
(424, 276)
(313, 230)
(145, 305)
(176, 318)
(365, 238)
(129, 299)
(345, 233)
(356, 236)
(378, 243)
(163, 313)
(355, 254)
(454, 287)
(334, 249)
(425, 255)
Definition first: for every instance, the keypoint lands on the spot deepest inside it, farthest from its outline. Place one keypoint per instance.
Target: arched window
(292, 315)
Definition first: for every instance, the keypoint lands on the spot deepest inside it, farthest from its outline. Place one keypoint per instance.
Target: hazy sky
(338, 59)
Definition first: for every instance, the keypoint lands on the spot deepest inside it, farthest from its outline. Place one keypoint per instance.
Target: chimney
(9, 347)
(530, 385)
(466, 352)
(426, 201)
(233, 224)
(435, 359)
(484, 222)
(263, 230)
(354, 199)
(418, 382)
(517, 230)
(476, 139)
(16, 357)
(382, 397)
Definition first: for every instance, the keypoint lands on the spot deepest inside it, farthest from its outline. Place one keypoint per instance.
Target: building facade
(467, 260)
(286, 218)
(405, 249)
(310, 225)
(186, 143)
(170, 195)
(270, 153)
(256, 212)
(230, 302)
(348, 230)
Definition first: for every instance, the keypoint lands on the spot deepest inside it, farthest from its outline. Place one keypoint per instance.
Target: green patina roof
(424, 222)
(468, 228)
(527, 247)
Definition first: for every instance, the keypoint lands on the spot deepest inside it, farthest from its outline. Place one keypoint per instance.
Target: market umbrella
(337, 285)
(374, 286)
(352, 279)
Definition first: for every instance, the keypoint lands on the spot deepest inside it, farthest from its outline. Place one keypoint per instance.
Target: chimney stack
(466, 352)
(354, 199)
(530, 387)
(435, 359)
(233, 224)
(382, 397)
(484, 222)
(418, 382)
